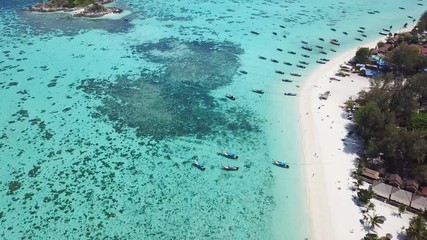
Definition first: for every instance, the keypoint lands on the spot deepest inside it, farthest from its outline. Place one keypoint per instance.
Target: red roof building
(385, 48)
(392, 40)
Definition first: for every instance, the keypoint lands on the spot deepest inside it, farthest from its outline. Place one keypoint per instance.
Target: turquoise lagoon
(101, 119)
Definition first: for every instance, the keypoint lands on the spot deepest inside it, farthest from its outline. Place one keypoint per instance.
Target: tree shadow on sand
(352, 143)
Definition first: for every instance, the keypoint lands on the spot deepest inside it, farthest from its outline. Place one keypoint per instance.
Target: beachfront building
(419, 203)
(401, 196)
(412, 185)
(385, 48)
(370, 175)
(395, 180)
(382, 190)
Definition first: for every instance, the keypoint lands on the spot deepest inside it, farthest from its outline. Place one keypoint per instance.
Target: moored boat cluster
(232, 155)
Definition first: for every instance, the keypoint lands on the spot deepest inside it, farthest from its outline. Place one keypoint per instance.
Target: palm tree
(417, 229)
(371, 206)
(360, 167)
(365, 196)
(402, 209)
(370, 236)
(375, 220)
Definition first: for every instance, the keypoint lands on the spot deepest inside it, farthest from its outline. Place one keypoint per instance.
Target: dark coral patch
(175, 100)
(13, 186)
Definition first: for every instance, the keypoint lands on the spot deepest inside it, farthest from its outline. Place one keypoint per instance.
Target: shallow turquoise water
(102, 119)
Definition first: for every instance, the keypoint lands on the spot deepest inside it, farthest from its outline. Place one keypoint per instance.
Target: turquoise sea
(101, 119)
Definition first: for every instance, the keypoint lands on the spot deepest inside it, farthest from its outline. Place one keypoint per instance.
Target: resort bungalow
(412, 185)
(382, 190)
(370, 175)
(401, 196)
(395, 180)
(419, 203)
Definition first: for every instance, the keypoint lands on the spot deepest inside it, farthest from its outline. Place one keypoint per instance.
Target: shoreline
(332, 212)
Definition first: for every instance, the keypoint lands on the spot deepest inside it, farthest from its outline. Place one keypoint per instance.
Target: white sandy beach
(329, 163)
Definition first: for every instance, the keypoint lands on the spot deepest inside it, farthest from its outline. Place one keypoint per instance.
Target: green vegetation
(370, 206)
(417, 229)
(422, 24)
(96, 8)
(392, 122)
(365, 196)
(362, 55)
(375, 220)
(68, 3)
(371, 236)
(391, 118)
(83, 2)
(402, 209)
(419, 122)
(407, 59)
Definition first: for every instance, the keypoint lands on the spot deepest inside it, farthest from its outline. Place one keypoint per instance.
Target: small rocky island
(79, 8)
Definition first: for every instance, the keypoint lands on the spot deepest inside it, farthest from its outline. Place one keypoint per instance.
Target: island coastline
(329, 186)
(95, 10)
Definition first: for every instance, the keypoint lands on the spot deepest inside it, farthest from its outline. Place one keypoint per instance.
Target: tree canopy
(391, 118)
(422, 23)
(406, 59)
(391, 123)
(365, 196)
(362, 55)
(70, 3)
(417, 229)
(370, 236)
(83, 2)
